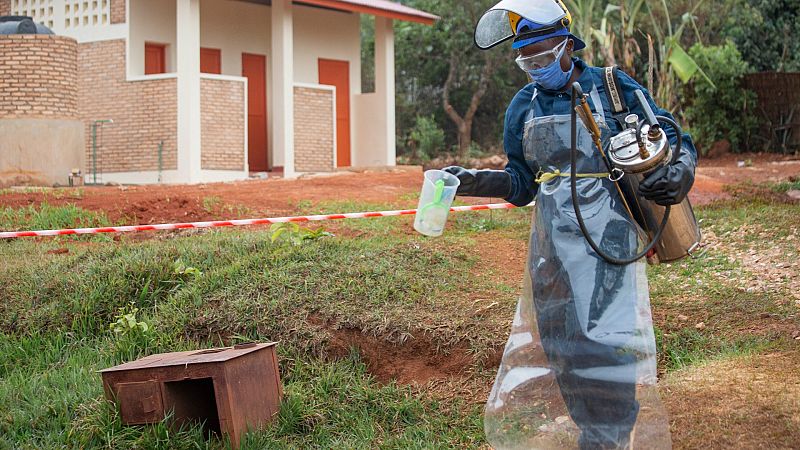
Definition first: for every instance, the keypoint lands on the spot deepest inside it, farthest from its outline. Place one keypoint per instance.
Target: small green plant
(484, 225)
(179, 268)
(294, 234)
(132, 337)
(127, 323)
(183, 274)
(476, 151)
(238, 210)
(304, 205)
(786, 186)
(211, 204)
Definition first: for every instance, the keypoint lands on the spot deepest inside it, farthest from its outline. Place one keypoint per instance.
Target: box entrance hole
(193, 402)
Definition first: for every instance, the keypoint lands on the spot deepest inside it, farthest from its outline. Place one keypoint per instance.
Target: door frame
(269, 165)
(337, 95)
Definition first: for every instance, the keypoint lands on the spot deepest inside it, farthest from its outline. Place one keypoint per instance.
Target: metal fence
(778, 107)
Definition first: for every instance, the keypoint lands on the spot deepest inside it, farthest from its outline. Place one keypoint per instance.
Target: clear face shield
(494, 27)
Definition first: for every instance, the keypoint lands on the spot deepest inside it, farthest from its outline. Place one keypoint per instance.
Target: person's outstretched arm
(516, 183)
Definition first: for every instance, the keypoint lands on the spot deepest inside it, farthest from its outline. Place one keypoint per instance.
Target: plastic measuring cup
(438, 193)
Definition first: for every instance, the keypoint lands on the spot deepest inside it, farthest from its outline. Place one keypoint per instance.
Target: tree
(464, 121)
(765, 32)
(441, 62)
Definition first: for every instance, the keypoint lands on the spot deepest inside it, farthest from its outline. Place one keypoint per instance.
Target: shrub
(721, 113)
(427, 137)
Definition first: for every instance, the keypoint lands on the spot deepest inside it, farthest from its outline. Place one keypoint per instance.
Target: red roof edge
(401, 12)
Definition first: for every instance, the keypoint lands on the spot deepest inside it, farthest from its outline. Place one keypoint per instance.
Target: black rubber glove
(670, 184)
(481, 183)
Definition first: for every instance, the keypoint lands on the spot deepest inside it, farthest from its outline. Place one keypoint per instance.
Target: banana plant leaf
(684, 65)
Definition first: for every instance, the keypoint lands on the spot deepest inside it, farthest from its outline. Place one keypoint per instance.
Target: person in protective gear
(592, 319)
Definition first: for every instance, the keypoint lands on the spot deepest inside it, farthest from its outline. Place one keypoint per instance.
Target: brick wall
(5, 7)
(313, 130)
(222, 117)
(117, 11)
(144, 112)
(38, 77)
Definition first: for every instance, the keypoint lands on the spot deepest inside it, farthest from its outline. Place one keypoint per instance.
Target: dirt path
(714, 174)
(748, 402)
(166, 203)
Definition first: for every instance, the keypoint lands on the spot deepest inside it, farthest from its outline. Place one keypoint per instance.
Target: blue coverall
(524, 187)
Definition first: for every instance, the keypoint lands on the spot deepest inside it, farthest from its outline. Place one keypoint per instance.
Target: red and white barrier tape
(237, 223)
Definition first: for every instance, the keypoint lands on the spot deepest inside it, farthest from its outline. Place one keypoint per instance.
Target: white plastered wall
(375, 112)
(151, 21)
(235, 27)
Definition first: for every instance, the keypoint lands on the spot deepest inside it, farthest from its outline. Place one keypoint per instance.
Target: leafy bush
(721, 113)
(765, 32)
(427, 138)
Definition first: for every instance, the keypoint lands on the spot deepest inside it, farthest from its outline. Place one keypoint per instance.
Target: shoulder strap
(615, 99)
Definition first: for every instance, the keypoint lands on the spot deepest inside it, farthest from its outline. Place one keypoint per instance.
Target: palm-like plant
(673, 63)
(615, 37)
(583, 17)
(613, 29)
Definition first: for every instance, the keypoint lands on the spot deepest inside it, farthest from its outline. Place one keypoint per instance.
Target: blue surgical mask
(552, 77)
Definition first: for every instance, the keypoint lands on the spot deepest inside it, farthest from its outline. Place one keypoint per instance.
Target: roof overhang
(381, 8)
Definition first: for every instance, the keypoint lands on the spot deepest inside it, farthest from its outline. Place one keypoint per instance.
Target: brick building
(41, 135)
(230, 87)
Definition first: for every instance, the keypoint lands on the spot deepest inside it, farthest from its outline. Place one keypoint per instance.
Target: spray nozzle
(649, 116)
(654, 133)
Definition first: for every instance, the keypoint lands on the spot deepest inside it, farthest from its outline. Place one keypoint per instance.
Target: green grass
(51, 397)
(514, 223)
(688, 346)
(708, 289)
(218, 288)
(785, 186)
(378, 277)
(46, 192)
(46, 217)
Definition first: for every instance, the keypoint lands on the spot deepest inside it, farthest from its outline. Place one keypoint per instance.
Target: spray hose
(576, 89)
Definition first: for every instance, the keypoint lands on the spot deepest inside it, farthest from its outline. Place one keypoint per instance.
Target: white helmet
(498, 24)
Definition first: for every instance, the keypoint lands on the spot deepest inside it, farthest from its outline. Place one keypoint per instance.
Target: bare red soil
(171, 203)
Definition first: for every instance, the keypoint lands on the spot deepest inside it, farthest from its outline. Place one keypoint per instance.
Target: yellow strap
(544, 177)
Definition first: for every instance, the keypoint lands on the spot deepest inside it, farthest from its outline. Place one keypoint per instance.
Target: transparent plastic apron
(579, 368)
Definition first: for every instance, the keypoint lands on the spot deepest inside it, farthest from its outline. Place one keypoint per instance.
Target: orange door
(154, 59)
(254, 68)
(337, 73)
(210, 60)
